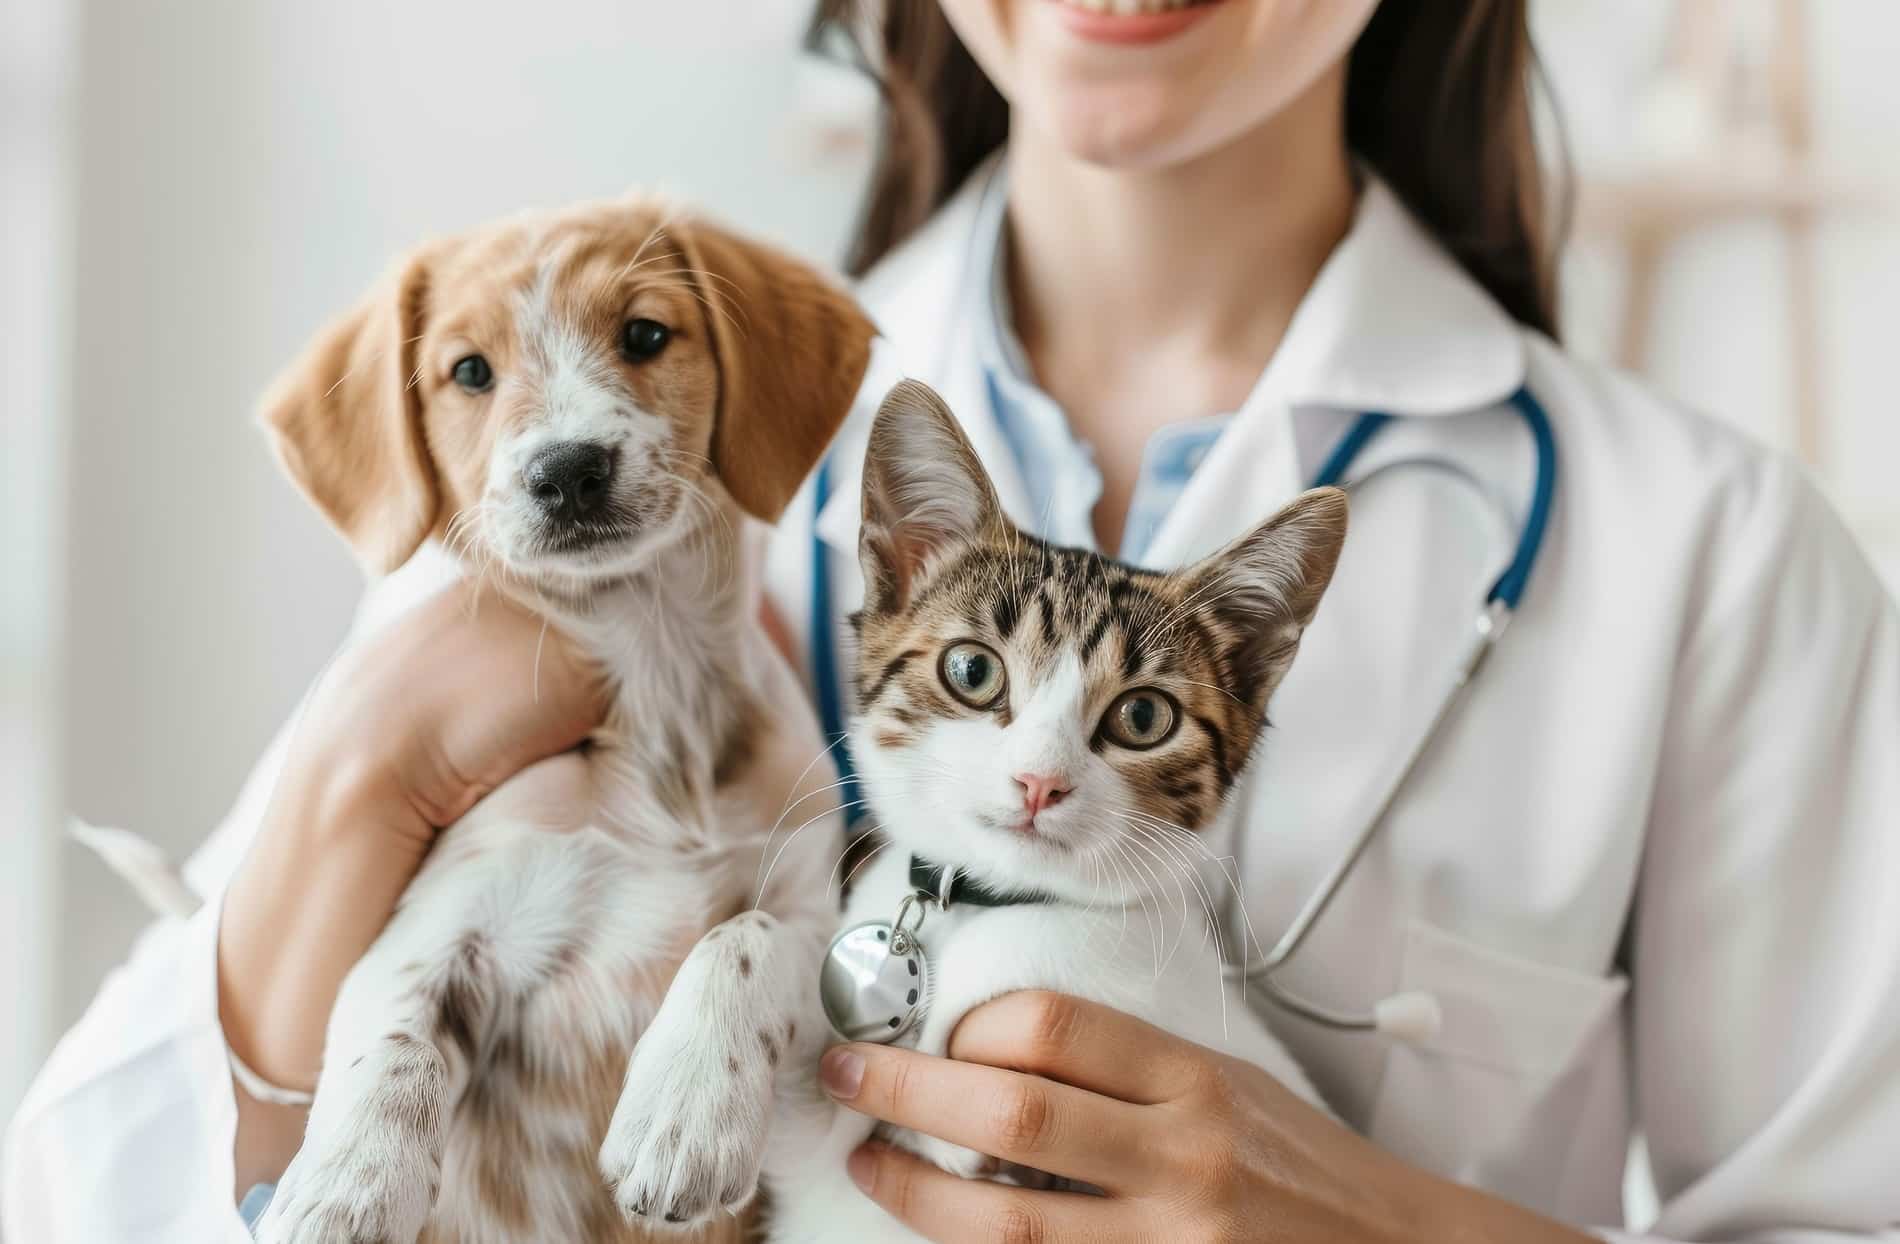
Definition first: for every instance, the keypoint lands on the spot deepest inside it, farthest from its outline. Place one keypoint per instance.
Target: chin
(575, 570)
(1141, 104)
(574, 561)
(1060, 857)
(1134, 125)
(1127, 107)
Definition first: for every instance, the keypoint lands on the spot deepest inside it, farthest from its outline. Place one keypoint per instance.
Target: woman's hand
(402, 735)
(1187, 1143)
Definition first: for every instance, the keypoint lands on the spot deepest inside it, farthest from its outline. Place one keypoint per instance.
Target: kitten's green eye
(973, 673)
(1140, 719)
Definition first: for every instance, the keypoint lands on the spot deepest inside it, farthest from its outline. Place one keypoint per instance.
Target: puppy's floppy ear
(924, 491)
(791, 349)
(346, 422)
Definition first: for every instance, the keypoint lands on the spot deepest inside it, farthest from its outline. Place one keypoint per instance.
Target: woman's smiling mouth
(1130, 21)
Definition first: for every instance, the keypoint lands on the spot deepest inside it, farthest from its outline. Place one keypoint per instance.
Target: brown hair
(1438, 101)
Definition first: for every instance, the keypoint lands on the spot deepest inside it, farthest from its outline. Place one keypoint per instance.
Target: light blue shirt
(1058, 470)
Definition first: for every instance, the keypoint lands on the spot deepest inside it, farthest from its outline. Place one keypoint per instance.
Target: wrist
(1441, 1209)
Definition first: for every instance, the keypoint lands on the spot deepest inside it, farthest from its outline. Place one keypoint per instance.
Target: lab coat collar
(919, 297)
(1391, 323)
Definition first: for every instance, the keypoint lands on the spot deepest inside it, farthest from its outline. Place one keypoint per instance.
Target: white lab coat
(1649, 872)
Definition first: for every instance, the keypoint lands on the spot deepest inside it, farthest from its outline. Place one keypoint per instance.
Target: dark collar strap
(928, 878)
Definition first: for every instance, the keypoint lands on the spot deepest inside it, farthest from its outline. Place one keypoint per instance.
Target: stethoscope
(1406, 1016)
(1412, 1015)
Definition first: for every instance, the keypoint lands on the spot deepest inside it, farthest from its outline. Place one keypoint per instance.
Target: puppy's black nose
(569, 480)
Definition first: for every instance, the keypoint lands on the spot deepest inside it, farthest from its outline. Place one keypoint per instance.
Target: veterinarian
(1646, 871)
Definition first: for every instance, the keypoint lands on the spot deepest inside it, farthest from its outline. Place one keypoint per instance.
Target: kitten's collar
(949, 886)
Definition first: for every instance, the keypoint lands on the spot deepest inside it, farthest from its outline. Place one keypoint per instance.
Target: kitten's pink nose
(1041, 790)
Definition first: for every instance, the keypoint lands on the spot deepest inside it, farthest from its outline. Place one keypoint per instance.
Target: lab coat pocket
(1517, 1035)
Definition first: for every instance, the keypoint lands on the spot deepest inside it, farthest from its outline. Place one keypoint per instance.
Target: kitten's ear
(924, 491)
(1264, 588)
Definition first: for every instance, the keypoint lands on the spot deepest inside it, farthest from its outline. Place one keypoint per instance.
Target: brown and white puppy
(585, 407)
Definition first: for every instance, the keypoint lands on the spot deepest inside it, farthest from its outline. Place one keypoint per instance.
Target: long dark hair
(1438, 101)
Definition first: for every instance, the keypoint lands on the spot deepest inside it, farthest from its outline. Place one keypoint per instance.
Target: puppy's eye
(973, 673)
(473, 373)
(1140, 719)
(640, 340)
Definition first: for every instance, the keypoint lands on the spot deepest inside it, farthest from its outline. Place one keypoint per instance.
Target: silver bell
(874, 984)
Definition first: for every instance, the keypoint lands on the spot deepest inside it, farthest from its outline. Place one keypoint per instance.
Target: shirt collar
(1391, 323)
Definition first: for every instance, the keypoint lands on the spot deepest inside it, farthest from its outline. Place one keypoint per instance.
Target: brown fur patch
(741, 745)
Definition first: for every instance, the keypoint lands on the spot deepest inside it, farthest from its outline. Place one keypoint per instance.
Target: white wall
(35, 254)
(245, 171)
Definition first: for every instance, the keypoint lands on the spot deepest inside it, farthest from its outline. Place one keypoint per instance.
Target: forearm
(312, 895)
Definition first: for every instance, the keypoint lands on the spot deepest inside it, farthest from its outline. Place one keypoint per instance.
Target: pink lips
(1128, 28)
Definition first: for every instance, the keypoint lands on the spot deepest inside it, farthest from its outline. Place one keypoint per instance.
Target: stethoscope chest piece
(875, 982)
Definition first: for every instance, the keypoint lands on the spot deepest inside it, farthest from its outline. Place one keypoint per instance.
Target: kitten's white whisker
(1114, 861)
(1187, 862)
(1138, 845)
(792, 802)
(759, 872)
(1185, 838)
(759, 896)
(868, 855)
(1186, 866)
(1213, 927)
(1155, 934)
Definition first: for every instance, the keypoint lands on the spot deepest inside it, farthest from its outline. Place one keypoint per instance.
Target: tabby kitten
(1059, 729)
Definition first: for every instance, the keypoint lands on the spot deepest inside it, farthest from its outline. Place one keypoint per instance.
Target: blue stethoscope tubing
(1413, 1015)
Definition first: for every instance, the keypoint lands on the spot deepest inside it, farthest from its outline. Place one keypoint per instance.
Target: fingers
(952, 1210)
(485, 689)
(1020, 1118)
(1081, 1043)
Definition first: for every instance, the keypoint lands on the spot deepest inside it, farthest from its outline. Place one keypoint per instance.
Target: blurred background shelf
(1734, 219)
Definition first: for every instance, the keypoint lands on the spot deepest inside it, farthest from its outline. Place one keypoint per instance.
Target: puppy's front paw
(337, 1192)
(688, 1135)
